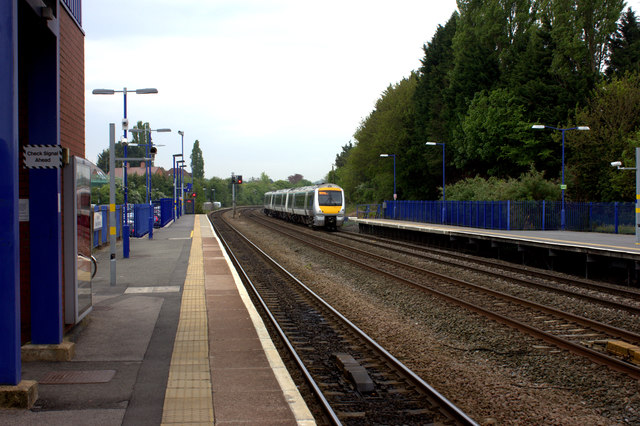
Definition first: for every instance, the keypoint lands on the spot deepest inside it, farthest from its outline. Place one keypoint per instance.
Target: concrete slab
(108, 336)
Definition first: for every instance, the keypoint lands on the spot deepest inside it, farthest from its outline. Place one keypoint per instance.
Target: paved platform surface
(613, 244)
(173, 342)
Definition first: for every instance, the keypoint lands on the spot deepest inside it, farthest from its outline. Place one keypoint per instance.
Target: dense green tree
(197, 161)
(432, 107)
(135, 149)
(625, 46)
(613, 114)
(496, 137)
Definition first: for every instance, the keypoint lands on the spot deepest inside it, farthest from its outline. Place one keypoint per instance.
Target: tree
(625, 46)
(497, 140)
(197, 162)
(613, 115)
(341, 158)
(133, 150)
(433, 111)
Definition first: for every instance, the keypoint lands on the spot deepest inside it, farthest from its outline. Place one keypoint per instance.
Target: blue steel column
(125, 208)
(45, 218)
(10, 368)
(562, 211)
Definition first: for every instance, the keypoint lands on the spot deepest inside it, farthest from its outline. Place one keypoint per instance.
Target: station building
(42, 122)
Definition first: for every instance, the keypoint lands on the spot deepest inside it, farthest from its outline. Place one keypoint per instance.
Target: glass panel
(329, 198)
(83, 217)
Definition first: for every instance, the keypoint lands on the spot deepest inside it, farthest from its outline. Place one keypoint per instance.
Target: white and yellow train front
(318, 205)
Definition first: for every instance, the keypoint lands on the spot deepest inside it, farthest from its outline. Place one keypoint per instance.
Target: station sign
(42, 156)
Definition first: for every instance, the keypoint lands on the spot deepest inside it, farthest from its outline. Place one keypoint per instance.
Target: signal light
(239, 178)
(193, 195)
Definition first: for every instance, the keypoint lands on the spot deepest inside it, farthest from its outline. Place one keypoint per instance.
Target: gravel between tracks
(495, 374)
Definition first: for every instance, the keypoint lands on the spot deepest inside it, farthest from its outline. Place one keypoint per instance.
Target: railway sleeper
(356, 373)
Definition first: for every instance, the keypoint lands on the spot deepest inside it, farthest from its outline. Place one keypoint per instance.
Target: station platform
(589, 254)
(175, 341)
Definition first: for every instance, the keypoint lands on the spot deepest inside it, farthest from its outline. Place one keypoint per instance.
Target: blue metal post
(444, 197)
(562, 211)
(148, 169)
(125, 225)
(45, 217)
(10, 366)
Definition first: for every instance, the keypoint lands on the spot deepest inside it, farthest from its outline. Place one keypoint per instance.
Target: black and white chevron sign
(42, 156)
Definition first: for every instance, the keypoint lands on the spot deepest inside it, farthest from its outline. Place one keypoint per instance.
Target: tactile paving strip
(188, 396)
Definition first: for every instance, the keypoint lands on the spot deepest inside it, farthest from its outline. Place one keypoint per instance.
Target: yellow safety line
(188, 398)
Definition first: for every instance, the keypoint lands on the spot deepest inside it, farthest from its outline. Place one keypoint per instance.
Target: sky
(265, 86)
(273, 86)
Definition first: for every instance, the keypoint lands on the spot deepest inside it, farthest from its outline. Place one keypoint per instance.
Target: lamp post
(444, 198)
(181, 133)
(175, 186)
(395, 194)
(180, 165)
(563, 186)
(150, 153)
(618, 164)
(125, 125)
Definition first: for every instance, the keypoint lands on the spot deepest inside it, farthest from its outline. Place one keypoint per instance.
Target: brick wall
(71, 85)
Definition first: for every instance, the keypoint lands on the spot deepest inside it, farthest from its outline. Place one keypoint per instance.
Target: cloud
(273, 86)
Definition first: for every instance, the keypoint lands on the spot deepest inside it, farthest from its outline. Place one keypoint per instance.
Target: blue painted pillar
(10, 368)
(44, 193)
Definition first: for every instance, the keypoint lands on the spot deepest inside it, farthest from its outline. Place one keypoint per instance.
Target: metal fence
(138, 219)
(101, 225)
(509, 215)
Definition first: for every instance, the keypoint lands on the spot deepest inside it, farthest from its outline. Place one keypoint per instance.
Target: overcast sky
(274, 86)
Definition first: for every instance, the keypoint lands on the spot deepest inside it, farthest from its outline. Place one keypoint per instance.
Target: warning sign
(42, 156)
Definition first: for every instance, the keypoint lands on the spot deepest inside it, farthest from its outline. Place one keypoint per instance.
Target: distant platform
(611, 257)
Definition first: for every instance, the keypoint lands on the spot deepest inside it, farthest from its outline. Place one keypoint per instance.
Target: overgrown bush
(529, 186)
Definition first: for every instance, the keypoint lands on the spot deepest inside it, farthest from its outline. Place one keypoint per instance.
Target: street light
(175, 187)
(444, 198)
(395, 194)
(181, 133)
(149, 150)
(125, 226)
(618, 164)
(180, 165)
(563, 186)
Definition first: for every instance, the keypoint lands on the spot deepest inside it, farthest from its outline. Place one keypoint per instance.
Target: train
(320, 206)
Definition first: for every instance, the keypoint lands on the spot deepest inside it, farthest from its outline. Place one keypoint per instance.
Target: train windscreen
(329, 198)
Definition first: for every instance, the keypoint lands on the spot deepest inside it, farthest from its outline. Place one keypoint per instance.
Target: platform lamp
(125, 125)
(444, 198)
(563, 186)
(395, 194)
(618, 164)
(150, 153)
(175, 186)
(181, 133)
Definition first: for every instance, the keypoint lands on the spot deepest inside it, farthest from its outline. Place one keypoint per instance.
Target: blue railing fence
(138, 219)
(618, 217)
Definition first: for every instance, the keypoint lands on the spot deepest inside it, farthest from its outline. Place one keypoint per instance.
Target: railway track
(355, 379)
(489, 267)
(562, 329)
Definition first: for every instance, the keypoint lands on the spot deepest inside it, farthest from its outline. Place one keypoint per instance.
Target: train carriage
(318, 205)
